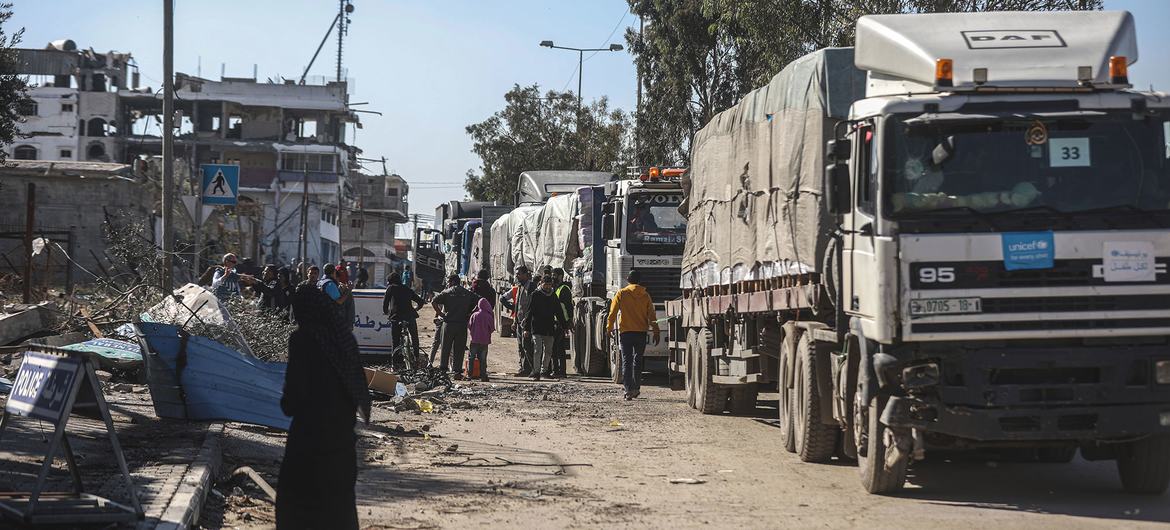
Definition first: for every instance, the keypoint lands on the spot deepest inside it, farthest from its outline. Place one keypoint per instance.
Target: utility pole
(362, 231)
(29, 218)
(303, 248)
(168, 147)
(414, 249)
(638, 105)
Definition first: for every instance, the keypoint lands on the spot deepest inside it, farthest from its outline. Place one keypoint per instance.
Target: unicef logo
(1042, 244)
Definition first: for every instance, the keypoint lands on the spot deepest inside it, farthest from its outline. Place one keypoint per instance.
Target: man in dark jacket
(401, 304)
(546, 319)
(454, 305)
(483, 288)
(272, 295)
(524, 345)
(564, 292)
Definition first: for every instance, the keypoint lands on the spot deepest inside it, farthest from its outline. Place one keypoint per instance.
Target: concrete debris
(192, 306)
(21, 321)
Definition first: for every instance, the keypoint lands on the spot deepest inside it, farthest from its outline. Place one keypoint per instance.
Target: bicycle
(405, 347)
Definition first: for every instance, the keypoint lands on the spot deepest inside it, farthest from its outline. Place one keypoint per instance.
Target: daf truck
(952, 236)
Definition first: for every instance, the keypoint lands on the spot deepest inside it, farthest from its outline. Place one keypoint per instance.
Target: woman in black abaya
(324, 387)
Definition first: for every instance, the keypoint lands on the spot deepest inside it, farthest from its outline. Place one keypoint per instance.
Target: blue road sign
(43, 386)
(221, 184)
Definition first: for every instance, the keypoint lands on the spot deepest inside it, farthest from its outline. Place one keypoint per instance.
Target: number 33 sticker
(1069, 152)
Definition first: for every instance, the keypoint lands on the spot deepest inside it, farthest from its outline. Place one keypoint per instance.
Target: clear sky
(430, 66)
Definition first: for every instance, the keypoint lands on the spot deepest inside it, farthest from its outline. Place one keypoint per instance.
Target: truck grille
(662, 283)
(1058, 304)
(1040, 325)
(993, 274)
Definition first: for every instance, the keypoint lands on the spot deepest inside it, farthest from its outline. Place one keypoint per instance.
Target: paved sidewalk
(160, 454)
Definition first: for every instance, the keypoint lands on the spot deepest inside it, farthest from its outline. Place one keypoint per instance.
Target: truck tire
(743, 400)
(1144, 465)
(615, 360)
(784, 405)
(876, 477)
(689, 378)
(815, 441)
(710, 398)
(596, 361)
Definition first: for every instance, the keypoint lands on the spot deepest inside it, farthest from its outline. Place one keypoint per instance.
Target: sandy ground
(566, 454)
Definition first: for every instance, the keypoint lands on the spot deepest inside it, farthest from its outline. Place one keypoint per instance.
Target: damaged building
(368, 230)
(289, 140)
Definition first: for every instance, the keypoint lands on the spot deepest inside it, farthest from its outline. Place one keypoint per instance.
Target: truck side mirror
(837, 187)
(607, 227)
(838, 149)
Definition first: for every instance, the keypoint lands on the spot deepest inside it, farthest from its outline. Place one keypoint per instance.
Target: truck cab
(1004, 200)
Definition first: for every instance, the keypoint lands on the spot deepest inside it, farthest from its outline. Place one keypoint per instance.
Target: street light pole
(581, 71)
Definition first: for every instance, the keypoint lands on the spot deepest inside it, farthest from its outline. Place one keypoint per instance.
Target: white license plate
(945, 306)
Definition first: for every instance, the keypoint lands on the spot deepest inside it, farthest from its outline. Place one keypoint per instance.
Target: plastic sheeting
(557, 244)
(476, 259)
(756, 205)
(513, 248)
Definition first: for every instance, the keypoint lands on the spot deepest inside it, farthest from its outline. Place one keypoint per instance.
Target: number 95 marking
(936, 274)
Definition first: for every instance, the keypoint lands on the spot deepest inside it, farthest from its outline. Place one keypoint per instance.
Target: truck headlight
(1162, 372)
(1165, 419)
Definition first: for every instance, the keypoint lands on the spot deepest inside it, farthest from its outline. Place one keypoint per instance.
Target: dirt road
(574, 454)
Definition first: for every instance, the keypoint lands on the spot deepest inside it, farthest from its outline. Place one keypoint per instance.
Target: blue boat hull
(205, 380)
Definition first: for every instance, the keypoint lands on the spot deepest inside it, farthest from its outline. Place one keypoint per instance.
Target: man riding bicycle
(401, 304)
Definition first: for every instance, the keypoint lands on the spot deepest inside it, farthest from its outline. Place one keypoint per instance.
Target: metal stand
(49, 390)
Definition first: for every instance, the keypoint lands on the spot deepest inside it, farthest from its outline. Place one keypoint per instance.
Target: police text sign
(43, 386)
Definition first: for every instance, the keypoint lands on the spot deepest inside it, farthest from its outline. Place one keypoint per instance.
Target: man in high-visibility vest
(636, 310)
(564, 292)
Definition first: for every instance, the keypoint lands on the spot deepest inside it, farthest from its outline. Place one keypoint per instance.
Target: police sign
(43, 386)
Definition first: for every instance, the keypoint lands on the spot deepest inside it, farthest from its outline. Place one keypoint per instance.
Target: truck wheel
(876, 476)
(1144, 465)
(596, 362)
(815, 441)
(711, 398)
(743, 400)
(579, 351)
(692, 366)
(784, 405)
(615, 360)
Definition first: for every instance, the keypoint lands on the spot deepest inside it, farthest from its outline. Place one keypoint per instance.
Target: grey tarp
(476, 261)
(756, 204)
(523, 243)
(557, 243)
(500, 258)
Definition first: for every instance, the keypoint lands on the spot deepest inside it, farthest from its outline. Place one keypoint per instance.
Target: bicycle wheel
(408, 350)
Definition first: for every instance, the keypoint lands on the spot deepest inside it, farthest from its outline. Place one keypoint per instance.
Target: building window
(392, 192)
(318, 162)
(24, 152)
(66, 153)
(66, 107)
(355, 223)
(27, 107)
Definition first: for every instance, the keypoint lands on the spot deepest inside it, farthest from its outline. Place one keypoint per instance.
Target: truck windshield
(653, 224)
(1061, 165)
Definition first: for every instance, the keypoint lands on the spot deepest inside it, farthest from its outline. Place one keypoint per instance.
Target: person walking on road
(524, 346)
(480, 326)
(401, 304)
(633, 312)
(323, 389)
(454, 305)
(339, 293)
(546, 320)
(564, 292)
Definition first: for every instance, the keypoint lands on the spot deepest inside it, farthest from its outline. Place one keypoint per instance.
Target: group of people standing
(543, 307)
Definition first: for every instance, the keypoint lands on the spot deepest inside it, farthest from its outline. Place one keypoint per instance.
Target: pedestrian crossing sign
(221, 184)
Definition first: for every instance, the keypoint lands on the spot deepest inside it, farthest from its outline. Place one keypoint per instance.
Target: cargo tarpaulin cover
(522, 247)
(756, 204)
(557, 243)
(475, 263)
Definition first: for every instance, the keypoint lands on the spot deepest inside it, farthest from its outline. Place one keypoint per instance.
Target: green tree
(699, 57)
(13, 87)
(535, 132)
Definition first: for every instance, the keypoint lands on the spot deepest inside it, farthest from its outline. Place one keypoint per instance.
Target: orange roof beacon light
(1118, 70)
(944, 72)
(654, 173)
(676, 172)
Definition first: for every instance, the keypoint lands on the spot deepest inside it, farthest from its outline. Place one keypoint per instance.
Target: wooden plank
(735, 379)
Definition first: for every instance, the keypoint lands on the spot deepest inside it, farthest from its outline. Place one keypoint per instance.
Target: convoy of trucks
(952, 236)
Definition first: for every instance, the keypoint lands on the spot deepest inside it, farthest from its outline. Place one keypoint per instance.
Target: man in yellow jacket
(636, 311)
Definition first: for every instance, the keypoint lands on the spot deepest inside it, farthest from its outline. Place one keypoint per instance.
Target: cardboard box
(380, 381)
